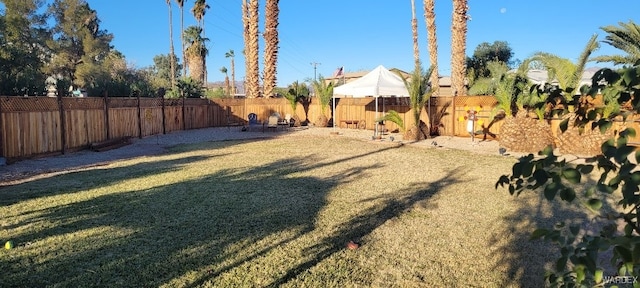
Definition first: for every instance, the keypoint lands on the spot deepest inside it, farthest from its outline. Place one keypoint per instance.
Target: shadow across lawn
(155, 236)
(74, 181)
(526, 260)
(364, 224)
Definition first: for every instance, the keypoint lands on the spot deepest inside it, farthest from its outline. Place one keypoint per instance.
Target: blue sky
(362, 34)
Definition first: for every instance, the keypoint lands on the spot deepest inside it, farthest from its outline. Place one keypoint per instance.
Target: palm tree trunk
(246, 37)
(458, 46)
(253, 74)
(430, 20)
(233, 76)
(414, 32)
(184, 67)
(271, 46)
(172, 64)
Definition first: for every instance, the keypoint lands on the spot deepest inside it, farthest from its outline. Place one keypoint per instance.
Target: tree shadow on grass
(75, 181)
(524, 260)
(357, 228)
(155, 236)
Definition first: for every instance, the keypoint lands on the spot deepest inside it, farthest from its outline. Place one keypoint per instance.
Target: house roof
(538, 76)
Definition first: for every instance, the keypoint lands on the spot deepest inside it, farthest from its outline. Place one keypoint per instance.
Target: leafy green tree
(78, 45)
(160, 71)
(485, 53)
(625, 37)
(216, 93)
(611, 178)
(189, 88)
(23, 52)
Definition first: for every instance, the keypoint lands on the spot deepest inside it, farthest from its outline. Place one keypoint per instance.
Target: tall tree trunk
(430, 20)
(414, 32)
(172, 63)
(271, 46)
(245, 36)
(253, 73)
(458, 46)
(233, 76)
(184, 67)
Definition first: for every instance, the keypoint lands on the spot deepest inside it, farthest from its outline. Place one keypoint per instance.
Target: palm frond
(394, 117)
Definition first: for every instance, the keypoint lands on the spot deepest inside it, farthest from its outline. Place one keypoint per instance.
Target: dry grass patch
(277, 212)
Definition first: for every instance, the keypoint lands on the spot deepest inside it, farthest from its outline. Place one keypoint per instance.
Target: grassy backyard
(278, 212)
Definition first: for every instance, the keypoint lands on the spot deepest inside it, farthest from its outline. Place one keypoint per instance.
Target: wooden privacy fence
(41, 125)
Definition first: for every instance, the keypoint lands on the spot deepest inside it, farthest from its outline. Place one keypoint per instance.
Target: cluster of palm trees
(193, 43)
(458, 43)
(419, 89)
(250, 20)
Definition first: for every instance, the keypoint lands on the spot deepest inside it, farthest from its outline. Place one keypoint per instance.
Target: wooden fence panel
(31, 133)
(151, 121)
(173, 118)
(151, 116)
(123, 122)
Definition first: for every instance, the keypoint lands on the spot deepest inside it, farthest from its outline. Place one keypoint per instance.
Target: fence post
(63, 125)
(453, 114)
(184, 116)
(106, 114)
(164, 124)
(1, 132)
(139, 117)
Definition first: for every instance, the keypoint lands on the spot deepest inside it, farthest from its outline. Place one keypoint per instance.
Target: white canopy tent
(378, 82)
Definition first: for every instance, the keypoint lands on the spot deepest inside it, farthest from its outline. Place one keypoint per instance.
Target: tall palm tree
(199, 9)
(271, 41)
(430, 20)
(626, 37)
(251, 47)
(414, 33)
(172, 52)
(181, 5)
(196, 52)
(232, 55)
(459, 45)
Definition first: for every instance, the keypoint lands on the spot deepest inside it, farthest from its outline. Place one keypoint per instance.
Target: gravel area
(159, 143)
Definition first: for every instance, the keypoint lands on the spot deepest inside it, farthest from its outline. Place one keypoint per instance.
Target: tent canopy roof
(378, 82)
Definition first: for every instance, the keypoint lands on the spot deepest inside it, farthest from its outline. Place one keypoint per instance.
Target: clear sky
(362, 34)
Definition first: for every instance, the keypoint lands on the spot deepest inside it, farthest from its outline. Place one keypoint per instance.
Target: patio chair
(272, 123)
(288, 119)
(254, 122)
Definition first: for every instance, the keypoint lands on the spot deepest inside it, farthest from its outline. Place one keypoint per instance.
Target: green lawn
(278, 212)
